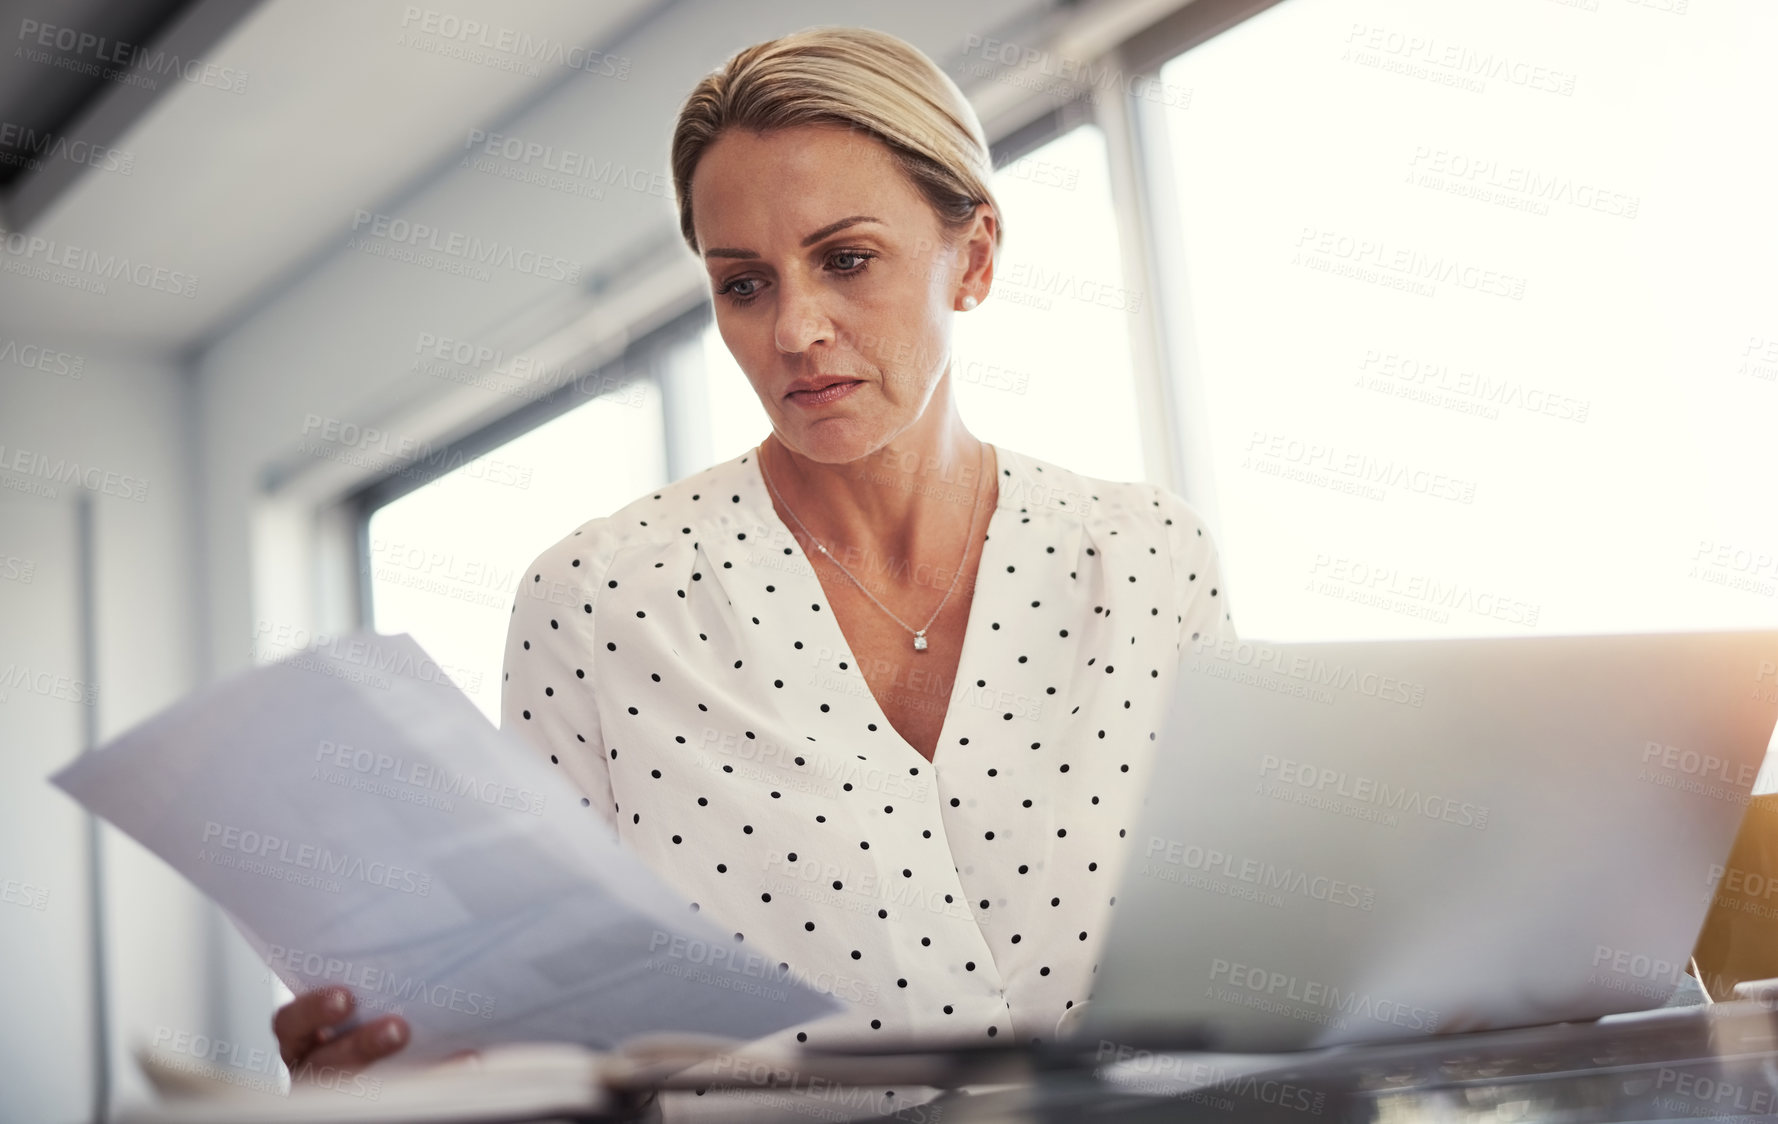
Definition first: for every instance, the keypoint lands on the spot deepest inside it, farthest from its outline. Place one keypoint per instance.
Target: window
(1482, 300)
(445, 559)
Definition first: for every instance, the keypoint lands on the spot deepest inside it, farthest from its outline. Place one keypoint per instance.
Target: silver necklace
(919, 636)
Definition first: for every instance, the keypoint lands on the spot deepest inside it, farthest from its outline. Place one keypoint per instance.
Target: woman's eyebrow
(810, 240)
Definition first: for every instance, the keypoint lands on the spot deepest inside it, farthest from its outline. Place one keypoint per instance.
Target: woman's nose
(802, 321)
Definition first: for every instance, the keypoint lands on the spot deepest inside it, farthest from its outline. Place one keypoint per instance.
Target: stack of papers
(364, 825)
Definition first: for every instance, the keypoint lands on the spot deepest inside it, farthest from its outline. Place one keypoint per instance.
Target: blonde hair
(856, 78)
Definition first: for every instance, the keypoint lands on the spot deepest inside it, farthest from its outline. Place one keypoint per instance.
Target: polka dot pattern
(679, 662)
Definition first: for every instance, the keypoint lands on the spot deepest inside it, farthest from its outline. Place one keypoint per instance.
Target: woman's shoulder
(654, 519)
(1032, 483)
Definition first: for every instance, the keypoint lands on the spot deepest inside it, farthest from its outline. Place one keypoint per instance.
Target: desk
(1715, 1062)
(1684, 1063)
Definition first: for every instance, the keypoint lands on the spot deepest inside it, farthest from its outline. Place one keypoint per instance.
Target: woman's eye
(844, 263)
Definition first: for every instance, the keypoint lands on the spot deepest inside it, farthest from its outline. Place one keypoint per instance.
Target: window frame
(642, 361)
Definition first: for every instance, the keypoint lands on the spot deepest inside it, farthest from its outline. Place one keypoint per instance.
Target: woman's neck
(915, 498)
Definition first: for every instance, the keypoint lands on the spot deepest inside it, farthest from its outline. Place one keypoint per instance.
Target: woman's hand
(309, 1038)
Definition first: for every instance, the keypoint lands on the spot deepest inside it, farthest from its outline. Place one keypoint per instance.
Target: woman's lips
(825, 395)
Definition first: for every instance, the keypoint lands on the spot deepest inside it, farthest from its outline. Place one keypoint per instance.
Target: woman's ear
(978, 245)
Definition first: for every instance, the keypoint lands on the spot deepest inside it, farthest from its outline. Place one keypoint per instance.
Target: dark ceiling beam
(125, 70)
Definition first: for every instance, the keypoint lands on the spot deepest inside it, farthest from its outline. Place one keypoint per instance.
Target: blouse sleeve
(1203, 600)
(546, 690)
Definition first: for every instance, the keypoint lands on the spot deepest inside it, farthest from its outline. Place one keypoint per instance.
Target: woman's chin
(833, 440)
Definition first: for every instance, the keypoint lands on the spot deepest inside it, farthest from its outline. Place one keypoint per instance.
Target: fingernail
(391, 1035)
(336, 1002)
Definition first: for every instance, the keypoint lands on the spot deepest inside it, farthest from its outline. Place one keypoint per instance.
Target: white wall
(129, 418)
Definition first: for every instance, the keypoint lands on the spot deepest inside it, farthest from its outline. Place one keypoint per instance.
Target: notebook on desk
(1361, 841)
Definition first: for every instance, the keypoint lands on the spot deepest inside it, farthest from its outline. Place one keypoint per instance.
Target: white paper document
(365, 825)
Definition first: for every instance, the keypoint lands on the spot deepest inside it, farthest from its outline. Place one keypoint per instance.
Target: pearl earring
(968, 303)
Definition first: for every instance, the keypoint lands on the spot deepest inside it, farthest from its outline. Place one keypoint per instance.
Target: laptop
(1366, 841)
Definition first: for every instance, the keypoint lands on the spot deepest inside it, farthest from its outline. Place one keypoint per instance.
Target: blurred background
(1453, 318)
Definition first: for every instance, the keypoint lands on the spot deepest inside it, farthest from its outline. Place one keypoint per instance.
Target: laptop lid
(1359, 841)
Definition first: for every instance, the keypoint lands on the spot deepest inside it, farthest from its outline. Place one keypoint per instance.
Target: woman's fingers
(300, 1023)
(373, 1040)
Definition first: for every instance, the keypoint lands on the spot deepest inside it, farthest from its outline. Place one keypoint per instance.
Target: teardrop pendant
(920, 641)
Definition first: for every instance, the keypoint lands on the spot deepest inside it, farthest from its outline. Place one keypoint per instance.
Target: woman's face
(825, 263)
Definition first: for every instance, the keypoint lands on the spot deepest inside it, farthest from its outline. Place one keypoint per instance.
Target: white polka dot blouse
(679, 662)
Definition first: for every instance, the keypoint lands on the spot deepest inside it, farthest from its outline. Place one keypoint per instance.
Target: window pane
(1043, 365)
(446, 559)
(737, 421)
(1484, 303)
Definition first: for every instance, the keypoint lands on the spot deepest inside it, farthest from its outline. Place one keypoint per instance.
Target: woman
(876, 695)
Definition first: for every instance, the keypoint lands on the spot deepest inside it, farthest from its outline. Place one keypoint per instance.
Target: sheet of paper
(363, 824)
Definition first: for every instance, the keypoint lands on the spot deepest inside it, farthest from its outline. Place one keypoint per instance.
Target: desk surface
(1687, 1063)
(1717, 1062)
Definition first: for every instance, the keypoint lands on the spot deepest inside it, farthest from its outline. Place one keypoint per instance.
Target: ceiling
(225, 159)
